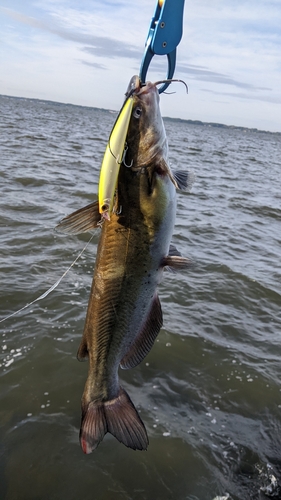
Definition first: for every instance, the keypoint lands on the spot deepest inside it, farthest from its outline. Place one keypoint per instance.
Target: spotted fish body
(124, 313)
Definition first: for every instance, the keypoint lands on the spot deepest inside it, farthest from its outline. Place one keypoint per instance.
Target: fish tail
(117, 416)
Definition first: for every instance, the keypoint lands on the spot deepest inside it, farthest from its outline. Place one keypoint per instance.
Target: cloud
(232, 49)
(94, 65)
(204, 74)
(98, 46)
(22, 18)
(108, 47)
(112, 48)
(263, 98)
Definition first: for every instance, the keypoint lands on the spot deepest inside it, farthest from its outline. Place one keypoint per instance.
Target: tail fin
(117, 416)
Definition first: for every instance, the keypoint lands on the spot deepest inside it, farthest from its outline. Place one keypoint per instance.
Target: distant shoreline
(220, 125)
(165, 118)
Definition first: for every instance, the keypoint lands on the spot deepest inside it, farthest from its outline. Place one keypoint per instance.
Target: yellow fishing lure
(113, 158)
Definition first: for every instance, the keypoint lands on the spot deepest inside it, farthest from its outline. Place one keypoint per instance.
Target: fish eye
(137, 112)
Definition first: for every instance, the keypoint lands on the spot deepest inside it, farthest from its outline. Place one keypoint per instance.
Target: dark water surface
(210, 390)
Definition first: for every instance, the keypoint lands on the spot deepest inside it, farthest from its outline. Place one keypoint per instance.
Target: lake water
(209, 392)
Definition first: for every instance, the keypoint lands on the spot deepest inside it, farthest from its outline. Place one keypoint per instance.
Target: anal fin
(81, 221)
(146, 336)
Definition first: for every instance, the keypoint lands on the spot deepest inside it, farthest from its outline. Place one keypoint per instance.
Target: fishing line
(52, 287)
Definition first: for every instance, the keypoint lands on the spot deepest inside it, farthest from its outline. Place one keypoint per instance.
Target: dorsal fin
(146, 337)
(81, 221)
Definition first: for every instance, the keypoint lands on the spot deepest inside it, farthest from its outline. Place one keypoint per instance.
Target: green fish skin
(124, 313)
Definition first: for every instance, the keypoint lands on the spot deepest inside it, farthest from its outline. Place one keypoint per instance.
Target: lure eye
(137, 112)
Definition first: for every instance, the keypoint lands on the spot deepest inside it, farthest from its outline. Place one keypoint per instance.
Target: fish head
(146, 138)
(147, 186)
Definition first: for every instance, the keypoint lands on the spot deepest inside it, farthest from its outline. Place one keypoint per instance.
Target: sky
(85, 52)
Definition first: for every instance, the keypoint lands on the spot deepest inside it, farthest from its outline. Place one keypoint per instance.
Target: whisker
(170, 80)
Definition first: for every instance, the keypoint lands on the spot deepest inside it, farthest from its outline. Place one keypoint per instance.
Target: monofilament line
(51, 288)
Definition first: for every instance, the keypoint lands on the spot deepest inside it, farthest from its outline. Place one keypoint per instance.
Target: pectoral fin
(83, 220)
(184, 180)
(181, 180)
(145, 338)
(175, 261)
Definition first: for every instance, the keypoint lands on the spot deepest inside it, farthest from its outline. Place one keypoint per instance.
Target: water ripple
(209, 391)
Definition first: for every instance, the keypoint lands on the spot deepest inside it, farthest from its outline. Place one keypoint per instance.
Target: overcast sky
(85, 52)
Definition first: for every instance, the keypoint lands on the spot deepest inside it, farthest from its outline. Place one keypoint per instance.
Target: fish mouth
(136, 87)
